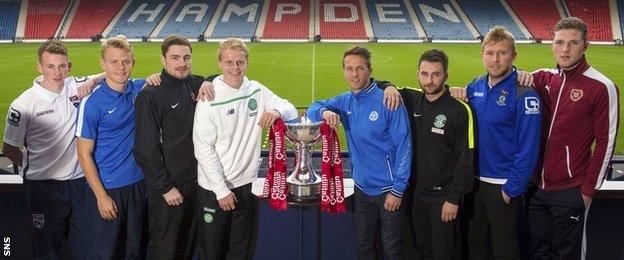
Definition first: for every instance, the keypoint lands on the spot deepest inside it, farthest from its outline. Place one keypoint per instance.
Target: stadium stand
(288, 19)
(486, 14)
(238, 19)
(341, 19)
(596, 14)
(441, 20)
(539, 21)
(9, 13)
(92, 17)
(190, 18)
(140, 18)
(43, 18)
(390, 20)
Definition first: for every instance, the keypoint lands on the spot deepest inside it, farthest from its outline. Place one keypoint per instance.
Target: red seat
(43, 18)
(596, 14)
(291, 26)
(341, 30)
(538, 16)
(92, 17)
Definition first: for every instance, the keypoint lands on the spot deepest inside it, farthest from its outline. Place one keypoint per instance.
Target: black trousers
(435, 239)
(226, 234)
(556, 220)
(172, 229)
(58, 213)
(492, 224)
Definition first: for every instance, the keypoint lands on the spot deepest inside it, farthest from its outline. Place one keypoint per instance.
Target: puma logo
(575, 218)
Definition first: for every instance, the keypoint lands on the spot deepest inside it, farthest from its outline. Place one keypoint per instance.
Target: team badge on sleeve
(14, 117)
(531, 106)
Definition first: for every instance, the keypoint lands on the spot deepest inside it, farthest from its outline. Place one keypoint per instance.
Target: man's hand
(206, 92)
(525, 78)
(153, 79)
(107, 207)
(228, 202)
(506, 198)
(449, 211)
(459, 93)
(173, 197)
(268, 118)
(586, 200)
(392, 98)
(392, 202)
(332, 119)
(86, 88)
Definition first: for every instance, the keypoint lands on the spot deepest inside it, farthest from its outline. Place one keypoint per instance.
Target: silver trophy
(303, 183)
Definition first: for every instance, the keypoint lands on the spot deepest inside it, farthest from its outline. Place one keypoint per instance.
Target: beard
(432, 89)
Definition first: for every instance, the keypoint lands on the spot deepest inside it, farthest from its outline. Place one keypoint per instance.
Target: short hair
(358, 51)
(573, 23)
(118, 42)
(498, 34)
(233, 44)
(434, 55)
(52, 47)
(174, 40)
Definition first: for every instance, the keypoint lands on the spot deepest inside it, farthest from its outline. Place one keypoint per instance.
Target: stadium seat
(597, 16)
(620, 4)
(9, 13)
(190, 18)
(43, 18)
(238, 19)
(340, 22)
(441, 20)
(140, 18)
(538, 16)
(292, 21)
(92, 17)
(394, 22)
(486, 14)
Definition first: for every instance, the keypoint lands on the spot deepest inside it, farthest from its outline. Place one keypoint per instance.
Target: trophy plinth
(303, 183)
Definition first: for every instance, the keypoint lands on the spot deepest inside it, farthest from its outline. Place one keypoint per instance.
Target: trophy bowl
(303, 183)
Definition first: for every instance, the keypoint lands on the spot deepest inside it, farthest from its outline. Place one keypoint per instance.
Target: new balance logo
(230, 112)
(174, 106)
(111, 111)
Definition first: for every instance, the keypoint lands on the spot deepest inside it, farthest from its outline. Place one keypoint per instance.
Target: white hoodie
(226, 134)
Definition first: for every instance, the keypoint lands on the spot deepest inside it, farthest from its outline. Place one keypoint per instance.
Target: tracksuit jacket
(508, 121)
(443, 132)
(164, 124)
(580, 107)
(380, 145)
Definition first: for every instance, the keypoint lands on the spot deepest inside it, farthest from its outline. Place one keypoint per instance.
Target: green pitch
(299, 72)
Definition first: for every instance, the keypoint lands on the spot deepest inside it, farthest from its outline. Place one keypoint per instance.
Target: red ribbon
(275, 188)
(332, 188)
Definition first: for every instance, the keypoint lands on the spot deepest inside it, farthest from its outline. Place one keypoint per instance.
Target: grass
(300, 72)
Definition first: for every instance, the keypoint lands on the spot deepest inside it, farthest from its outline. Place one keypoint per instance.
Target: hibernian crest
(252, 104)
(439, 121)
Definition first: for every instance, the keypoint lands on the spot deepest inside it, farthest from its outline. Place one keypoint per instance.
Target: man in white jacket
(226, 136)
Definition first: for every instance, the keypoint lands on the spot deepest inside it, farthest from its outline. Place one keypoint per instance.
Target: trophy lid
(303, 129)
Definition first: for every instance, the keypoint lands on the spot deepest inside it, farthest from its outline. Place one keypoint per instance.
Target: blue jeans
(369, 210)
(57, 206)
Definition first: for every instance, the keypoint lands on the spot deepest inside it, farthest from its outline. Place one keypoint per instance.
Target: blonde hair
(118, 42)
(497, 34)
(233, 44)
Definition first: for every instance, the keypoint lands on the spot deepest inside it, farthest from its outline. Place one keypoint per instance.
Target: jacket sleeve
(286, 109)
(335, 104)
(541, 78)
(463, 151)
(401, 137)
(528, 127)
(606, 118)
(147, 143)
(204, 142)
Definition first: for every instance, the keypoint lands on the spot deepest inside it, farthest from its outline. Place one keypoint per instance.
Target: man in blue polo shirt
(117, 203)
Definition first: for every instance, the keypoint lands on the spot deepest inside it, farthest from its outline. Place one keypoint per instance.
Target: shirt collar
(108, 90)
(44, 93)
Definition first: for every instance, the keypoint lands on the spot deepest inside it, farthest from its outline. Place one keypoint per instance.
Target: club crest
(373, 116)
(439, 121)
(38, 220)
(502, 99)
(252, 104)
(576, 94)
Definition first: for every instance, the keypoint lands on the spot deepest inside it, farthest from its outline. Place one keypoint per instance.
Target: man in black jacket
(443, 134)
(164, 150)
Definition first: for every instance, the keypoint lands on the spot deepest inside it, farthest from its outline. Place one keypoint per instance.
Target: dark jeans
(226, 234)
(556, 220)
(492, 223)
(369, 211)
(124, 237)
(172, 229)
(57, 213)
(435, 239)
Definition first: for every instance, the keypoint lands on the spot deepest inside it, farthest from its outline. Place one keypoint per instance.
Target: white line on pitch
(313, 68)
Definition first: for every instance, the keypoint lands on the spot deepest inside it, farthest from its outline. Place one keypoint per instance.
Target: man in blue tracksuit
(508, 120)
(380, 152)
